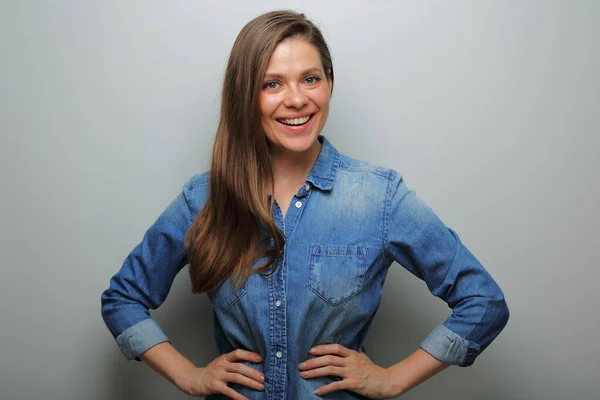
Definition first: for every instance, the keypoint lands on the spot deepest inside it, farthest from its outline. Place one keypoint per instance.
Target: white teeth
(297, 121)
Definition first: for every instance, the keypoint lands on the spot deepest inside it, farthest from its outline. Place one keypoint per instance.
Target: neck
(293, 168)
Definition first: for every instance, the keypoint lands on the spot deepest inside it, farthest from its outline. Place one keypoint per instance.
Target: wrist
(185, 380)
(395, 383)
(413, 370)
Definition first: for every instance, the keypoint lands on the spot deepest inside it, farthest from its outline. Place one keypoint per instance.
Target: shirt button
(278, 354)
(278, 303)
(307, 186)
(298, 204)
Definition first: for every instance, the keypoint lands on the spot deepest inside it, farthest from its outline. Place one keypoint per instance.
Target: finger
(244, 380)
(331, 349)
(245, 355)
(230, 393)
(324, 371)
(332, 387)
(322, 361)
(246, 371)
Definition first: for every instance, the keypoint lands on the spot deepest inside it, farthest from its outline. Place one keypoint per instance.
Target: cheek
(268, 105)
(321, 98)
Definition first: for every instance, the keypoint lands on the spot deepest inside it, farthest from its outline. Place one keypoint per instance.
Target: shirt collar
(324, 170)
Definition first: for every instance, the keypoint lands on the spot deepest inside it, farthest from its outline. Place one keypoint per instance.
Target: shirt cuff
(140, 337)
(449, 347)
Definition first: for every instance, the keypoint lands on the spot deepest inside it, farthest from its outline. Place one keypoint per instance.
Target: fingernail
(301, 365)
(313, 350)
(262, 378)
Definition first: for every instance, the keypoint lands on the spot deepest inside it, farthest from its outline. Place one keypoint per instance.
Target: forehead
(294, 55)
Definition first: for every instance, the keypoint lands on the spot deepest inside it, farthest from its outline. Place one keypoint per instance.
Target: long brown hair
(235, 228)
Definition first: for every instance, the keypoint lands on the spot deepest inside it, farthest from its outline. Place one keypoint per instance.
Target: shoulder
(196, 181)
(196, 190)
(377, 173)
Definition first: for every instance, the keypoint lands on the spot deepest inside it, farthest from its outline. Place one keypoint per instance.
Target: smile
(296, 121)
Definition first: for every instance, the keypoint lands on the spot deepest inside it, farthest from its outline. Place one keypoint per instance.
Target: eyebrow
(271, 75)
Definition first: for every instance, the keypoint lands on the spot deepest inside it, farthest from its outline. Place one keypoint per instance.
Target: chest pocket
(224, 297)
(336, 272)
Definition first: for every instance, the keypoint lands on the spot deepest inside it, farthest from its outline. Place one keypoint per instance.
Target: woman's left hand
(359, 373)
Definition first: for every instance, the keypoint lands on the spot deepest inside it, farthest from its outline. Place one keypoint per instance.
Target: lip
(296, 116)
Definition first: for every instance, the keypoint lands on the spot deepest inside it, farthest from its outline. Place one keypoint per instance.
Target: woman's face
(294, 98)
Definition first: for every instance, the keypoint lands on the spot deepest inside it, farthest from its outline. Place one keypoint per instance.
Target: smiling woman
(292, 241)
(294, 101)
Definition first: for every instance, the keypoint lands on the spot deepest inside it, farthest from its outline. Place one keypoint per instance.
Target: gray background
(490, 109)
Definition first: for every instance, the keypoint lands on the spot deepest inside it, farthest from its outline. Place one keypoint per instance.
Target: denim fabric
(343, 229)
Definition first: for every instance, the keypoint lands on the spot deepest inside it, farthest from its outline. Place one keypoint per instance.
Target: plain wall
(489, 109)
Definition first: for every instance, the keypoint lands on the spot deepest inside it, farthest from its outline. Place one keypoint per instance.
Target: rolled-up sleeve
(418, 240)
(144, 281)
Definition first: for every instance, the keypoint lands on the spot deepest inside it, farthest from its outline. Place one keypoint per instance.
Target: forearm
(413, 370)
(170, 363)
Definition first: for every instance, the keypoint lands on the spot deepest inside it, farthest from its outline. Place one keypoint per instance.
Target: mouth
(295, 121)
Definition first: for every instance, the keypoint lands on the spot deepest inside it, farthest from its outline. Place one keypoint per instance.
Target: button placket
(278, 323)
(277, 293)
(275, 372)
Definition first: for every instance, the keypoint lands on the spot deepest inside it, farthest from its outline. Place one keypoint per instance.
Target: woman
(292, 243)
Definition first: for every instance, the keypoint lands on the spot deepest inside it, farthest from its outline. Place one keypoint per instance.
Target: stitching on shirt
(361, 252)
(197, 180)
(385, 223)
(191, 185)
(367, 168)
(337, 255)
(231, 300)
(336, 163)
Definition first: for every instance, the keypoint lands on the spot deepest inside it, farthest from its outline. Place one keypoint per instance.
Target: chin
(297, 144)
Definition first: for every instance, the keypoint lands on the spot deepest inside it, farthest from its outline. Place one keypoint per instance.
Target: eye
(312, 80)
(271, 85)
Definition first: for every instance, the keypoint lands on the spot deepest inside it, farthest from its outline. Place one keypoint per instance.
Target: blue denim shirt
(343, 229)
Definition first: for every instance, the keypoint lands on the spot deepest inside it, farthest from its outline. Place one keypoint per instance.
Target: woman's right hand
(226, 368)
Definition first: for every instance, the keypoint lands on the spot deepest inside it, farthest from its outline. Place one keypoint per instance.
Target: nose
(295, 97)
